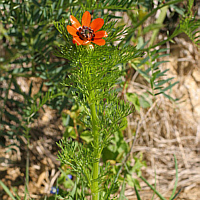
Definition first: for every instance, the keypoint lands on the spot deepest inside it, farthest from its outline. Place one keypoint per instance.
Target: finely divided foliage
(29, 37)
(94, 75)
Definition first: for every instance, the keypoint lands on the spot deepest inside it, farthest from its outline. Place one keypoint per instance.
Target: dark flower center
(85, 33)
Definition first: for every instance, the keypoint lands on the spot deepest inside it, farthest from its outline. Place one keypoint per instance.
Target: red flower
(85, 34)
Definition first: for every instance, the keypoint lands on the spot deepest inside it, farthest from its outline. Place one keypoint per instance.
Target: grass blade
(7, 190)
(157, 193)
(175, 186)
(137, 193)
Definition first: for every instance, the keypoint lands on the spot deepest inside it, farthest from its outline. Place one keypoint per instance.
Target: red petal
(99, 41)
(86, 19)
(77, 40)
(100, 34)
(75, 22)
(71, 30)
(97, 24)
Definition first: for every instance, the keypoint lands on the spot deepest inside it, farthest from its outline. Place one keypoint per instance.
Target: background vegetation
(37, 111)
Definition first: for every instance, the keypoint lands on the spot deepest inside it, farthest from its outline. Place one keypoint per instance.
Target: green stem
(95, 186)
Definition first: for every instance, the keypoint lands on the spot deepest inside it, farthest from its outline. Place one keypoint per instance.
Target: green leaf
(122, 192)
(133, 98)
(132, 181)
(169, 87)
(87, 136)
(179, 10)
(176, 182)
(137, 193)
(12, 117)
(7, 190)
(145, 101)
(156, 192)
(70, 132)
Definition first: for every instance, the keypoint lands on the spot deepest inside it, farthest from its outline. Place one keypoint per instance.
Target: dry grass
(164, 130)
(168, 128)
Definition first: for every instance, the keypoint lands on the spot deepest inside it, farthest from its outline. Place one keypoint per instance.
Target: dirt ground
(167, 128)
